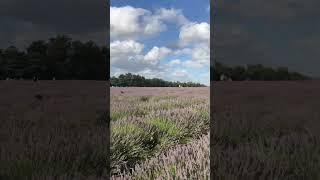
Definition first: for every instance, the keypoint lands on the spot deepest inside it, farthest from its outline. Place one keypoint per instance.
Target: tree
(13, 61)
(59, 48)
(140, 81)
(254, 72)
(238, 73)
(282, 73)
(37, 59)
(58, 57)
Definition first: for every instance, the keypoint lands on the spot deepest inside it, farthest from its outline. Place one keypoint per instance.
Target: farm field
(197, 92)
(265, 130)
(259, 130)
(159, 133)
(53, 130)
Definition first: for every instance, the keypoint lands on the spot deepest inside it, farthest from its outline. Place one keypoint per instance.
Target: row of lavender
(187, 161)
(148, 137)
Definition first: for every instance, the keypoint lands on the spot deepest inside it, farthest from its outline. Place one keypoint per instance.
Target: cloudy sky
(22, 22)
(273, 33)
(166, 39)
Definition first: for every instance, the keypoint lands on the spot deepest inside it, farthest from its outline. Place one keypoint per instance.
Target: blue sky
(167, 39)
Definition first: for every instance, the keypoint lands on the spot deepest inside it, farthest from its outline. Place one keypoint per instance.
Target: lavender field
(160, 135)
(53, 130)
(265, 130)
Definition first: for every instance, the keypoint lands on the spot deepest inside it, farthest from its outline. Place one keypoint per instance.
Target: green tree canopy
(126, 80)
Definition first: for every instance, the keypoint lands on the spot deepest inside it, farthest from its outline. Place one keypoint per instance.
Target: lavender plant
(188, 161)
(149, 126)
(60, 137)
(265, 130)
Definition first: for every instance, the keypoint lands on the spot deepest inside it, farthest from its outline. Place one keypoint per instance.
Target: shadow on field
(53, 130)
(265, 130)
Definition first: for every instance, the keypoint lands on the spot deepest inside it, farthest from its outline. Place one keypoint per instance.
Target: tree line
(59, 57)
(126, 80)
(254, 72)
(63, 58)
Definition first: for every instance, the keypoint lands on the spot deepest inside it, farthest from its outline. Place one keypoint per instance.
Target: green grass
(169, 132)
(152, 125)
(114, 116)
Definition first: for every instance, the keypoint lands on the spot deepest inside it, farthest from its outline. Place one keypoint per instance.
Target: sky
(273, 33)
(22, 22)
(167, 39)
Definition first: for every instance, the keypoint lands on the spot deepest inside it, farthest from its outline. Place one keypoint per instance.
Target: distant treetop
(126, 80)
(254, 72)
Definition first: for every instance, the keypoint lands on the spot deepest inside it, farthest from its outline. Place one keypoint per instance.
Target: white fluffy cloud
(125, 21)
(183, 51)
(153, 73)
(195, 33)
(200, 57)
(129, 55)
(175, 62)
(127, 47)
(172, 15)
(128, 22)
(129, 28)
(124, 50)
(152, 26)
(156, 54)
(201, 54)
